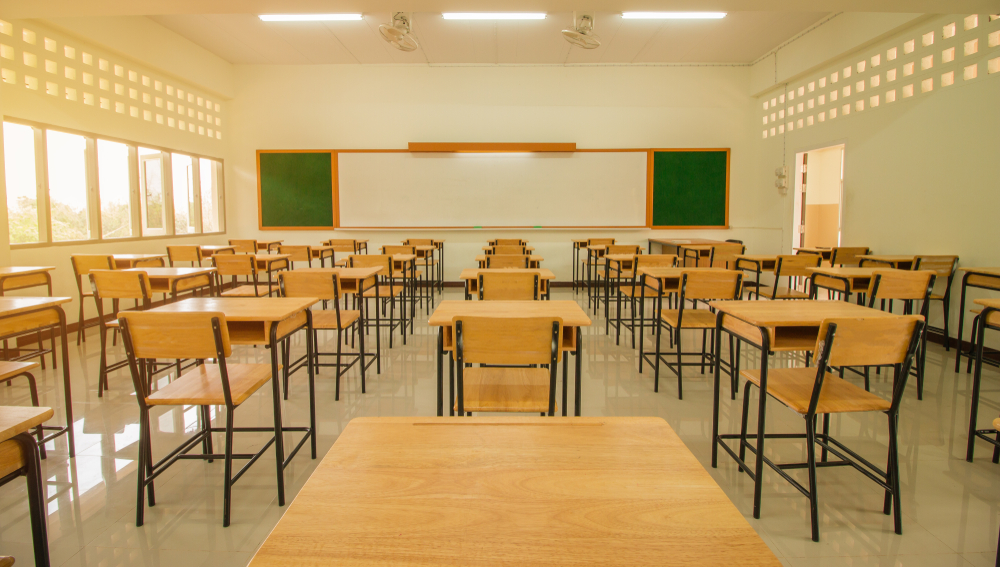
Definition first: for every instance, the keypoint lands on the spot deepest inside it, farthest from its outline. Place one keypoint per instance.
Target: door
(819, 185)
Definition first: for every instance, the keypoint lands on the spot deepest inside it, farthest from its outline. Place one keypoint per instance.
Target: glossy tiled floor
(951, 509)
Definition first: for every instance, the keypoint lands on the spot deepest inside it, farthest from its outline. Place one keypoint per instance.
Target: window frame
(93, 189)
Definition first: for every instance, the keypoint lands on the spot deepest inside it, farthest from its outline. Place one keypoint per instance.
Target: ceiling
(741, 37)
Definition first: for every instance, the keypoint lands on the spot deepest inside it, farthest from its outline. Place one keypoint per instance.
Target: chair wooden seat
(384, 291)
(248, 291)
(936, 296)
(793, 387)
(506, 389)
(327, 319)
(693, 318)
(783, 293)
(10, 369)
(202, 386)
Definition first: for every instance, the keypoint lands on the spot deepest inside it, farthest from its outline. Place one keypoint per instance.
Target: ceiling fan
(582, 34)
(399, 32)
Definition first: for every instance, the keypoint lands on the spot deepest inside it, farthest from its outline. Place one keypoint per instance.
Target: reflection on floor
(951, 509)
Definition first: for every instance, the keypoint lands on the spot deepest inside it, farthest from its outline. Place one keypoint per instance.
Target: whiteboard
(592, 189)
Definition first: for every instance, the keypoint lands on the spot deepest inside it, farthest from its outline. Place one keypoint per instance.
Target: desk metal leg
(279, 446)
(758, 484)
(579, 372)
(961, 323)
(67, 393)
(36, 498)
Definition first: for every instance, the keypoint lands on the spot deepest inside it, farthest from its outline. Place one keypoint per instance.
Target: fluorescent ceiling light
(308, 17)
(673, 15)
(494, 15)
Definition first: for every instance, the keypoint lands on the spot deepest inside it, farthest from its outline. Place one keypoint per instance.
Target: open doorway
(819, 191)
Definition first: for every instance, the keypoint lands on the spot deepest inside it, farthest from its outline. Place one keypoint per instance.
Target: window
(22, 186)
(185, 213)
(210, 172)
(67, 161)
(151, 192)
(115, 189)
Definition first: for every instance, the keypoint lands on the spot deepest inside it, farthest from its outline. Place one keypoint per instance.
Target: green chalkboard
(295, 189)
(691, 188)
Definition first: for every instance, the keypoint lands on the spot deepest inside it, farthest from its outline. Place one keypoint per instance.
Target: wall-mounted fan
(582, 34)
(399, 32)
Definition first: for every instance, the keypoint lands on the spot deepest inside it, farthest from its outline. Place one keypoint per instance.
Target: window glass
(184, 202)
(67, 161)
(208, 170)
(113, 182)
(151, 192)
(22, 188)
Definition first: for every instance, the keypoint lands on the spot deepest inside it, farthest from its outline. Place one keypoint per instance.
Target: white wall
(326, 106)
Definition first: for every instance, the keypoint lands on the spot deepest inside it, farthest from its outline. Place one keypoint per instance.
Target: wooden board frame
(511, 148)
(649, 188)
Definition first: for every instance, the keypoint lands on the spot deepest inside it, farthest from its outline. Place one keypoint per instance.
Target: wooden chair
(347, 245)
(244, 246)
(908, 287)
(297, 253)
(408, 275)
(814, 391)
(185, 254)
(507, 249)
(18, 458)
(239, 265)
(513, 286)
(326, 286)
(724, 255)
(508, 242)
(116, 285)
(633, 292)
(429, 260)
(385, 293)
(8, 372)
(945, 268)
(790, 267)
(508, 261)
(847, 256)
(501, 343)
(594, 264)
(82, 264)
(986, 319)
(696, 286)
(150, 336)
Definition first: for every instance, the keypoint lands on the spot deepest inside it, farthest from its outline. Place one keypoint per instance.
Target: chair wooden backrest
(419, 242)
(244, 246)
(623, 249)
(184, 254)
(158, 335)
(235, 265)
(120, 284)
(656, 260)
(508, 242)
(600, 241)
(510, 286)
(84, 263)
(150, 263)
(874, 341)
(724, 255)
(508, 340)
(733, 240)
(900, 284)
(501, 249)
(705, 285)
(796, 266)
(507, 261)
(383, 261)
(848, 255)
(297, 253)
(299, 283)
(342, 245)
(398, 249)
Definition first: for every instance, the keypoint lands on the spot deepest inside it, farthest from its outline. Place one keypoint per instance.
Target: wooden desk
(675, 244)
(770, 326)
(273, 262)
(350, 278)
(988, 319)
(615, 491)
(981, 278)
(124, 261)
(266, 321)
(527, 248)
(207, 251)
(23, 315)
(842, 280)
(901, 261)
(13, 278)
(570, 312)
(267, 244)
(826, 253)
(578, 244)
(471, 278)
(756, 264)
(178, 280)
(19, 454)
(533, 261)
(321, 253)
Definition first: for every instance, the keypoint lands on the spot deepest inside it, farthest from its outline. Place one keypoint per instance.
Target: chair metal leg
(227, 490)
(36, 499)
(811, 457)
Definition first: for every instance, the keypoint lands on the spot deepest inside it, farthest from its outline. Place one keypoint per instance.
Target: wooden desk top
(15, 420)
(473, 273)
(171, 273)
(8, 271)
(889, 258)
(134, 257)
(670, 273)
(346, 273)
(994, 272)
(15, 305)
(531, 257)
(266, 309)
(798, 313)
(684, 241)
(216, 248)
(526, 491)
(570, 311)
